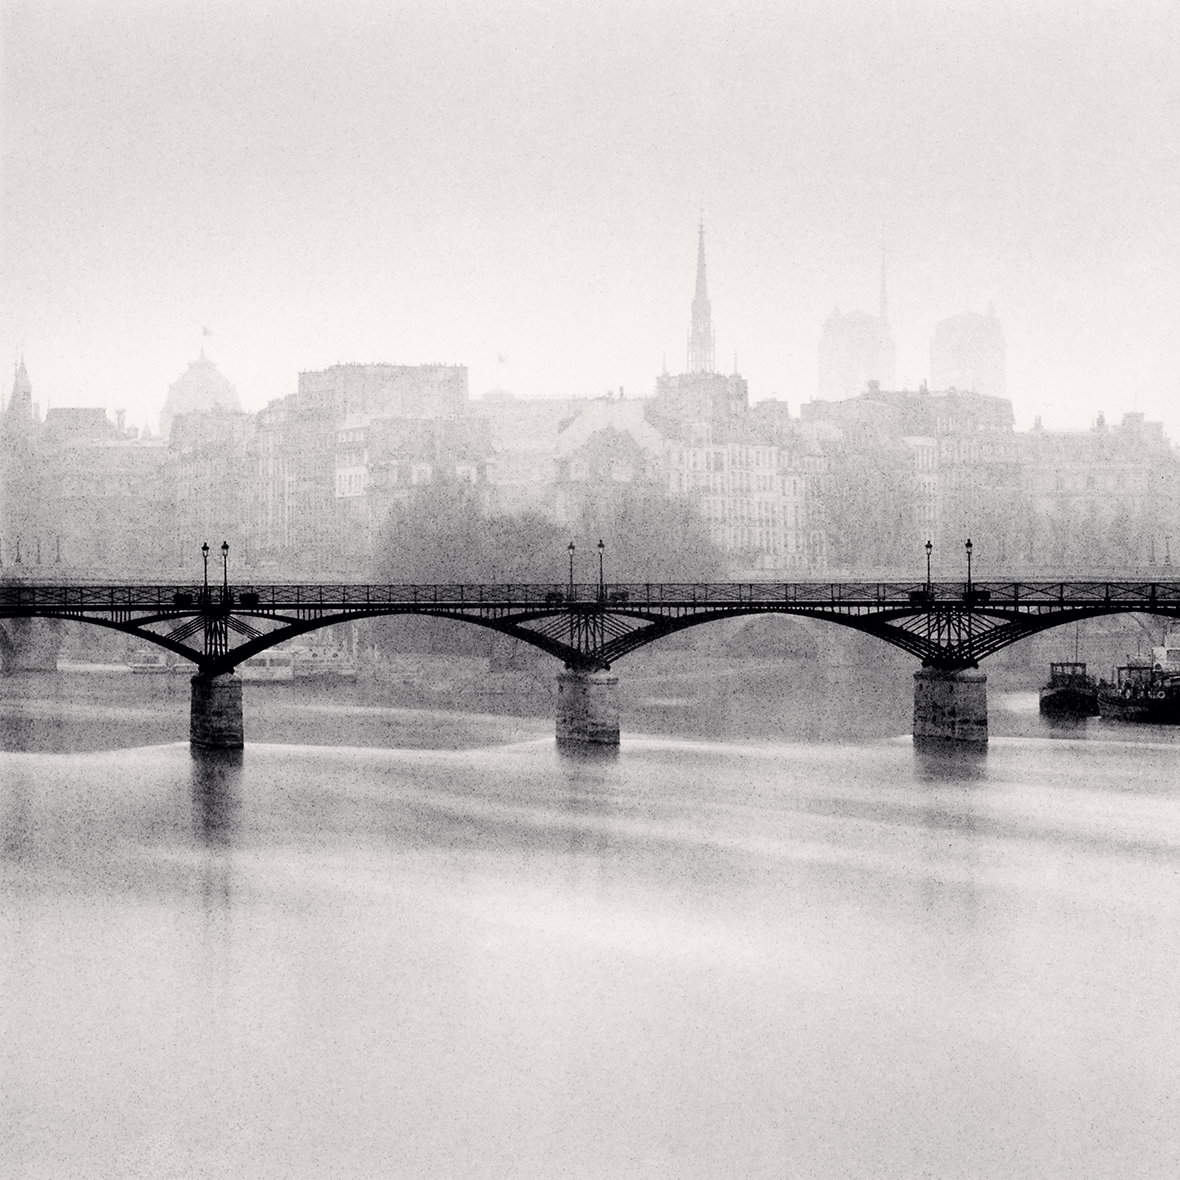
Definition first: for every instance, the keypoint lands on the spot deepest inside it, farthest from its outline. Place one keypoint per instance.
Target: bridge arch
(633, 629)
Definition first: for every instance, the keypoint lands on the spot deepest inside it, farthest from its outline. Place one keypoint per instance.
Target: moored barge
(1071, 691)
(1146, 691)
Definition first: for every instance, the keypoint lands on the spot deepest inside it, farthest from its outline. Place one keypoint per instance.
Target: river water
(426, 943)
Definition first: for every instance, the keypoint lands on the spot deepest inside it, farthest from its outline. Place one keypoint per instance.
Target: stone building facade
(1106, 500)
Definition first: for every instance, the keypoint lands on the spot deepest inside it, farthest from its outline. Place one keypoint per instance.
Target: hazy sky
(449, 181)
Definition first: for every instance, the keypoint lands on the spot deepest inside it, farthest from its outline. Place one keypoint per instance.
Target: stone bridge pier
(215, 716)
(587, 708)
(950, 704)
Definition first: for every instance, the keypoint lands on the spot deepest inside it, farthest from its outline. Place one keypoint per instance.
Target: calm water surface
(425, 944)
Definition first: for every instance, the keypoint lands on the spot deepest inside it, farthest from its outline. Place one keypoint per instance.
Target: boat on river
(148, 662)
(1147, 691)
(1071, 691)
(1141, 693)
(273, 665)
(314, 663)
(282, 664)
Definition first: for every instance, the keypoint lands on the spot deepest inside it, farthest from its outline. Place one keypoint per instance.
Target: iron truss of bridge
(588, 627)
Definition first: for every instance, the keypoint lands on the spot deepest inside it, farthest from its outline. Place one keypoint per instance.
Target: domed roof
(202, 389)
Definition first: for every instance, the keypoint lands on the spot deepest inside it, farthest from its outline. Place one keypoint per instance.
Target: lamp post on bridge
(216, 711)
(968, 565)
(570, 596)
(601, 586)
(929, 547)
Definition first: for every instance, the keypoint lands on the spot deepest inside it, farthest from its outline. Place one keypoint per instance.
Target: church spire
(700, 334)
(20, 403)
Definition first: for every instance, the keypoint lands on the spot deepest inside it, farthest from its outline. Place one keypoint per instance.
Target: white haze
(414, 182)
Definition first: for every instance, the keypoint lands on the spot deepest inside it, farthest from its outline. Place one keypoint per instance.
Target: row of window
(736, 483)
(764, 540)
(764, 511)
(357, 481)
(737, 458)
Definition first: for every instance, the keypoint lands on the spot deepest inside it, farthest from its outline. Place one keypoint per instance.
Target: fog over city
(517, 188)
(589, 590)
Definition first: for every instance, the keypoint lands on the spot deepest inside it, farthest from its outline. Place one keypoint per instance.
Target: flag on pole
(206, 332)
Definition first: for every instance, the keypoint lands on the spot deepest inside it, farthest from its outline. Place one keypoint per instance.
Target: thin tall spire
(20, 401)
(700, 334)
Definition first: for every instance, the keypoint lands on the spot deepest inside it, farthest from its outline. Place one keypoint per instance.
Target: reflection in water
(1064, 725)
(216, 801)
(217, 776)
(947, 773)
(580, 755)
(591, 778)
(943, 760)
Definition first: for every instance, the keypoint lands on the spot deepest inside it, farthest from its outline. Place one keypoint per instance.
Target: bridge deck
(22, 596)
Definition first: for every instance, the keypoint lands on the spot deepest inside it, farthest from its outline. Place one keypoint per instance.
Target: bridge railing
(181, 599)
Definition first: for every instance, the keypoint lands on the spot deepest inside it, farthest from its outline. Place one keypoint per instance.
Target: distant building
(200, 389)
(77, 491)
(968, 352)
(327, 464)
(700, 395)
(19, 409)
(78, 424)
(554, 455)
(605, 450)
(106, 493)
(210, 467)
(22, 497)
(384, 462)
(750, 474)
(690, 398)
(387, 391)
(522, 461)
(854, 349)
(113, 503)
(754, 484)
(910, 466)
(1100, 500)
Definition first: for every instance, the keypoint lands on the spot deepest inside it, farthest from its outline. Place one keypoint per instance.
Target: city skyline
(529, 188)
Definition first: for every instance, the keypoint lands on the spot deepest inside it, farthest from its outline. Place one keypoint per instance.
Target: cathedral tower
(968, 353)
(856, 348)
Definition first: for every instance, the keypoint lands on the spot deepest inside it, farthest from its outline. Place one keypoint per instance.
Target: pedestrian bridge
(949, 626)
